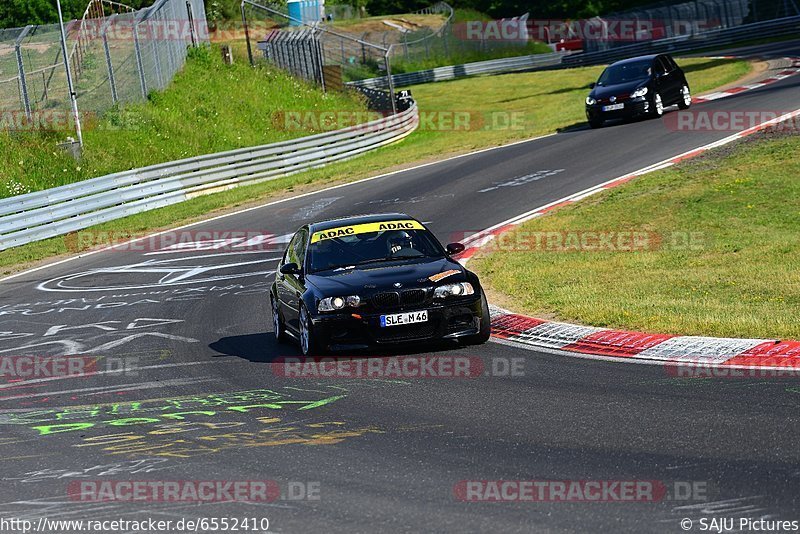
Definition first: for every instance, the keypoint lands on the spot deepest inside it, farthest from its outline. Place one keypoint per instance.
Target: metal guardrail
(69, 208)
(451, 72)
(688, 43)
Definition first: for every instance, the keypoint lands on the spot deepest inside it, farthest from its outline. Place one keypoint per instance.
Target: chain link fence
(312, 50)
(117, 55)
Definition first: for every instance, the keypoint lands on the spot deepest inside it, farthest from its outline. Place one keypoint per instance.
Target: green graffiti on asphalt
(76, 418)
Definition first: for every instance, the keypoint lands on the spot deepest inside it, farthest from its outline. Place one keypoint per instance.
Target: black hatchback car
(638, 86)
(372, 280)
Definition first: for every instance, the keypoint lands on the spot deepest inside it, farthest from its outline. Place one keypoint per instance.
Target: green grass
(545, 101)
(458, 53)
(739, 276)
(209, 108)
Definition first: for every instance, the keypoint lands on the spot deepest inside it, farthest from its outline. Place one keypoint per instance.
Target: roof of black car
(356, 219)
(633, 59)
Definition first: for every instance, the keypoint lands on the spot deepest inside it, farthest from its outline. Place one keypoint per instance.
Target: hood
(620, 90)
(372, 278)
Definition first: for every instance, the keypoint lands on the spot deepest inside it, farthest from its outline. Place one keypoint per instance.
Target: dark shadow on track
(263, 348)
(257, 348)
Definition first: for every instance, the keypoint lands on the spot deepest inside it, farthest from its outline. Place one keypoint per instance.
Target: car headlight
(590, 101)
(454, 290)
(338, 303)
(640, 92)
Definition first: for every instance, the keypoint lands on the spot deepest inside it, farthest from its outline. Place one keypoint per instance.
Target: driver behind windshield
(397, 241)
(347, 252)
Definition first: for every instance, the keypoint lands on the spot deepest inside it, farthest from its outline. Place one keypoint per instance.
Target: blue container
(307, 11)
(295, 12)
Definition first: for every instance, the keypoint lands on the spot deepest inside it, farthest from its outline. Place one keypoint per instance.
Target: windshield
(626, 72)
(349, 251)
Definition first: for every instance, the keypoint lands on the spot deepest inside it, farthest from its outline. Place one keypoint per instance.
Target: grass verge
(542, 101)
(718, 253)
(209, 107)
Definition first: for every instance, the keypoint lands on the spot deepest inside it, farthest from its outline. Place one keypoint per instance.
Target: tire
(278, 325)
(309, 344)
(486, 324)
(658, 106)
(686, 98)
(596, 123)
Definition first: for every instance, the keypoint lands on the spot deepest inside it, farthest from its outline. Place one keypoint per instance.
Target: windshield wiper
(378, 260)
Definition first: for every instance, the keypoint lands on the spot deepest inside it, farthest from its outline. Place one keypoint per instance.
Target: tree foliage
(571, 9)
(18, 13)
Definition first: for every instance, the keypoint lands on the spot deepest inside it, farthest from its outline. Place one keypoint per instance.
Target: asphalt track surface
(384, 455)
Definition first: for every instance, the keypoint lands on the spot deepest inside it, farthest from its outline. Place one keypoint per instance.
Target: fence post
(190, 14)
(139, 65)
(363, 48)
(23, 84)
(157, 64)
(247, 34)
(112, 82)
(387, 59)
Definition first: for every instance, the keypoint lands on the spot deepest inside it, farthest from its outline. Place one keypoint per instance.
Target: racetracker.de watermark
(194, 491)
(48, 120)
(589, 240)
(765, 367)
(429, 120)
(176, 241)
(580, 491)
(700, 120)
(554, 30)
(173, 490)
(31, 367)
(399, 367)
(124, 29)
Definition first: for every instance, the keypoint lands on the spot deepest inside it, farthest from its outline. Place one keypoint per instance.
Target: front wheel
(277, 321)
(309, 345)
(596, 123)
(658, 106)
(686, 98)
(486, 324)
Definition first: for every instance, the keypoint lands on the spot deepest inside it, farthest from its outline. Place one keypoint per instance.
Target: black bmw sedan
(638, 86)
(372, 280)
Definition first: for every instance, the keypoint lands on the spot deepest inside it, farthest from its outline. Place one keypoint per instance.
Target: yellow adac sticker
(365, 228)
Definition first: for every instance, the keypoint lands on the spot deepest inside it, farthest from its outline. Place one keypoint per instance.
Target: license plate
(397, 319)
(612, 107)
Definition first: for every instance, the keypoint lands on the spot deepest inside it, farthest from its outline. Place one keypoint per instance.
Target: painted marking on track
(173, 271)
(522, 180)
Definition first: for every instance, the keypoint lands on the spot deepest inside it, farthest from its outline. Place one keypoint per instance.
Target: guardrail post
(23, 83)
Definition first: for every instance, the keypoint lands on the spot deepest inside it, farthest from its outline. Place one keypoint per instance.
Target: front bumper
(351, 330)
(632, 108)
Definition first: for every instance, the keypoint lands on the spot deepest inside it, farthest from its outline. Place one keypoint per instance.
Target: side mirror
(592, 85)
(455, 248)
(290, 268)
